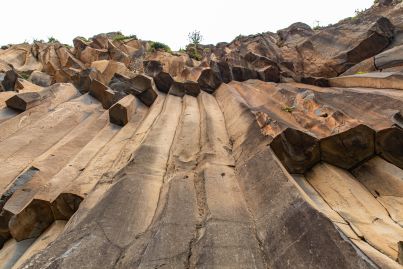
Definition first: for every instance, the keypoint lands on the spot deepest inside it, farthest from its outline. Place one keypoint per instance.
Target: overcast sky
(167, 21)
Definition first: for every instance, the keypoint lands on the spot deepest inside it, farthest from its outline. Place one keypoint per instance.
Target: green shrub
(194, 53)
(52, 40)
(288, 109)
(24, 75)
(120, 37)
(195, 37)
(160, 46)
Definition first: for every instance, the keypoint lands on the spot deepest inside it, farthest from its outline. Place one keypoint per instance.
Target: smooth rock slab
(389, 58)
(378, 80)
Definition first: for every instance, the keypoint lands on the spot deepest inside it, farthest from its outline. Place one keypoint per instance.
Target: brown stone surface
(8, 80)
(121, 112)
(186, 87)
(141, 86)
(349, 148)
(102, 93)
(144, 89)
(227, 161)
(379, 80)
(389, 58)
(109, 68)
(389, 144)
(208, 80)
(24, 101)
(83, 79)
(41, 79)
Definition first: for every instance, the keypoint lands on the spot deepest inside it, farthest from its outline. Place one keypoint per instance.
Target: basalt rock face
(300, 51)
(278, 150)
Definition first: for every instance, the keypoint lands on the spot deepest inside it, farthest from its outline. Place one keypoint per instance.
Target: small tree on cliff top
(195, 37)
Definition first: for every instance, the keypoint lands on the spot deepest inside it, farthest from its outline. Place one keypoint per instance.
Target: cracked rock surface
(277, 150)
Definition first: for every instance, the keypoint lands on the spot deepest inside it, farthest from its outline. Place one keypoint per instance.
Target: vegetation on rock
(159, 46)
(195, 37)
(193, 48)
(52, 40)
(120, 37)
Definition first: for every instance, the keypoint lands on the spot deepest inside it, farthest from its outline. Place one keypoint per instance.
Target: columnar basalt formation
(276, 150)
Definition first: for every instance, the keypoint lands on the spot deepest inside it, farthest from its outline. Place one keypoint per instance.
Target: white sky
(167, 21)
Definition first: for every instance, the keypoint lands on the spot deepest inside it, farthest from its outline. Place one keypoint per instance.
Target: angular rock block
(377, 38)
(100, 41)
(121, 84)
(109, 68)
(297, 150)
(5, 217)
(141, 86)
(186, 87)
(102, 93)
(269, 74)
(118, 55)
(89, 55)
(41, 79)
(8, 80)
(259, 61)
(223, 69)
(144, 89)
(84, 79)
(32, 221)
(24, 101)
(209, 80)
(163, 80)
(66, 204)
(66, 75)
(152, 67)
(121, 112)
(240, 73)
(79, 43)
(389, 145)
(348, 149)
